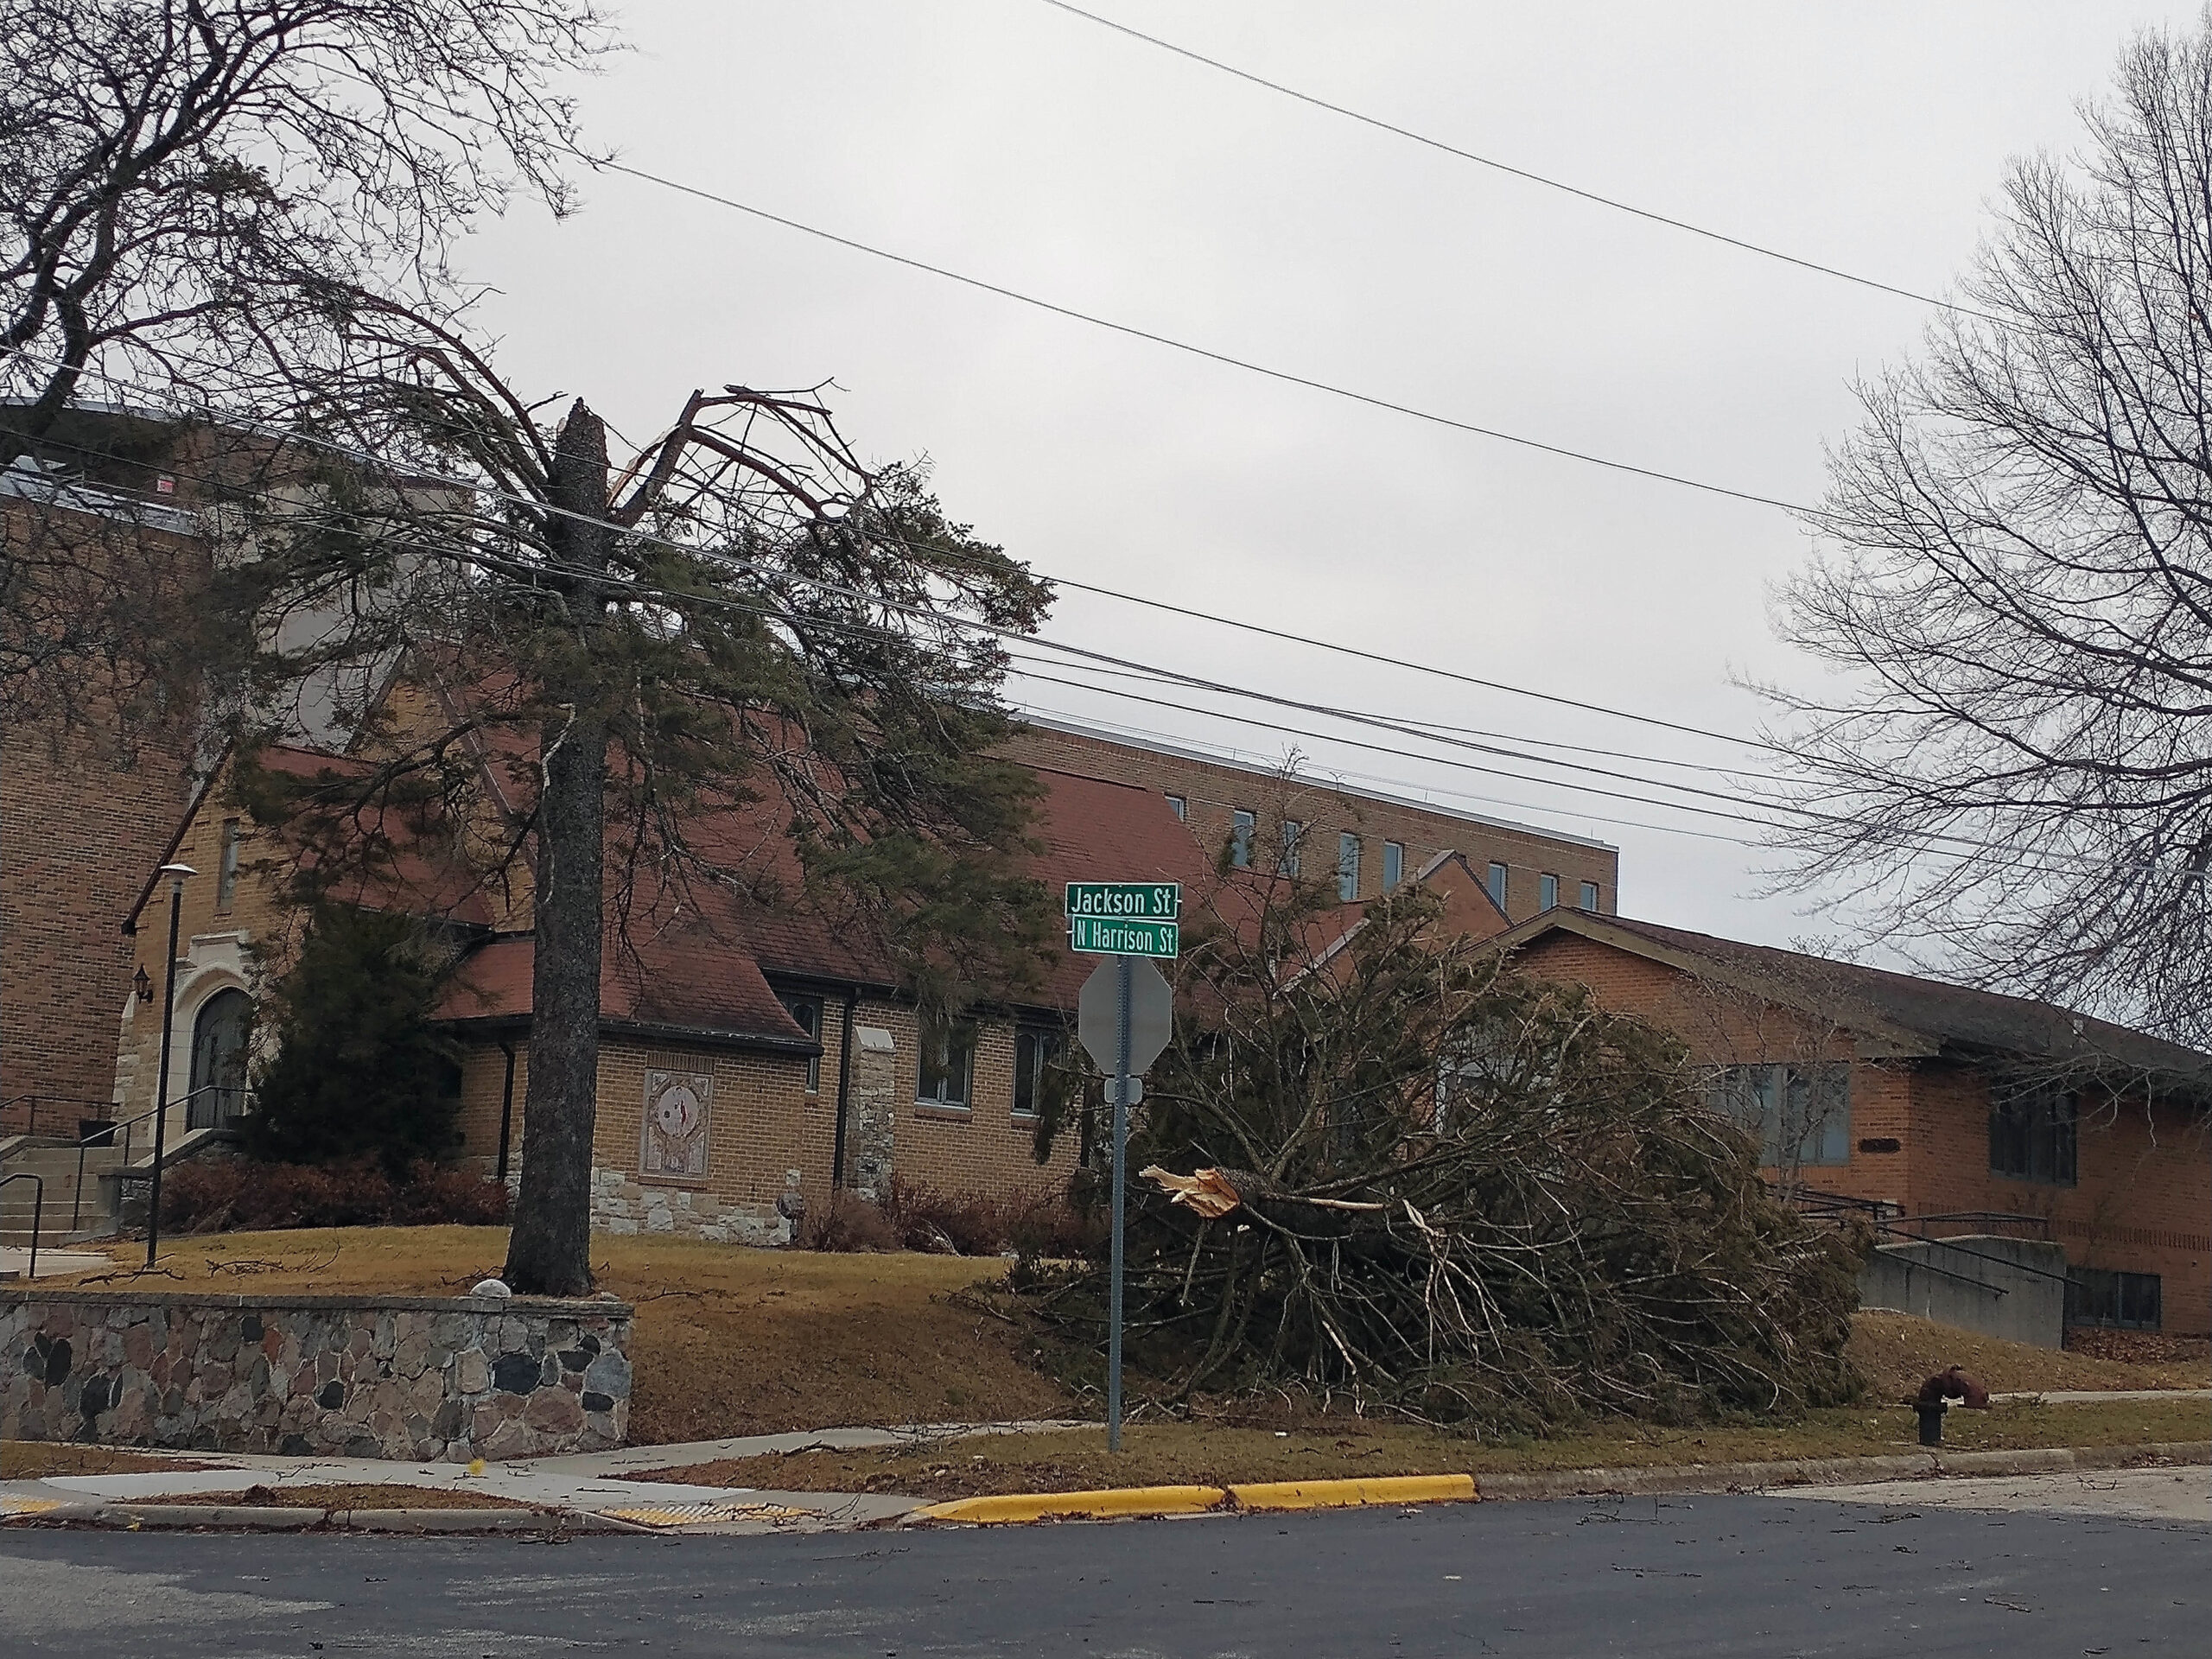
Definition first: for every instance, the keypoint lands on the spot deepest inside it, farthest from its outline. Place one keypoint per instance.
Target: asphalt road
(1707, 1576)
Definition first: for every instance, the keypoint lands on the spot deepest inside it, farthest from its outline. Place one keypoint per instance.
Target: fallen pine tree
(1386, 1168)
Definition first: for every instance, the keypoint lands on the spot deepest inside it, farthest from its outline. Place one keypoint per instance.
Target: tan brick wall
(86, 806)
(483, 1093)
(78, 833)
(220, 946)
(1213, 789)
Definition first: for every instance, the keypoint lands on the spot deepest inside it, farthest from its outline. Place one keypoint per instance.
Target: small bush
(850, 1225)
(240, 1195)
(913, 1216)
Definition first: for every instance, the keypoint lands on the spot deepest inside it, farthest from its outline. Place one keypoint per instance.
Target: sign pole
(1122, 966)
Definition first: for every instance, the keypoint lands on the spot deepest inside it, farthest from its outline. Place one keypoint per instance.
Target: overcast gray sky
(1010, 141)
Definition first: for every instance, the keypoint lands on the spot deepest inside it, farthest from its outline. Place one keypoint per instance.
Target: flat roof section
(1132, 740)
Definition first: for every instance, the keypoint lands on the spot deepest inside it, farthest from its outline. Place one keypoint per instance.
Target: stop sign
(1152, 1014)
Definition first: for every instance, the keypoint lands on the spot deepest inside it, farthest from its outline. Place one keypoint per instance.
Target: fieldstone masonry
(874, 1111)
(363, 1377)
(621, 1203)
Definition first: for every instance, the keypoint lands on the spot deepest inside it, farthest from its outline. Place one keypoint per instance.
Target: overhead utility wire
(1384, 748)
(1285, 375)
(1426, 794)
(1932, 840)
(1423, 139)
(1355, 717)
(1963, 846)
(1421, 668)
(608, 164)
(615, 587)
(1508, 737)
(1313, 641)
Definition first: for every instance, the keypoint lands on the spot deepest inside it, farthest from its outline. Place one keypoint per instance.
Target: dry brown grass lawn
(348, 1498)
(729, 1340)
(1175, 1453)
(35, 1459)
(1897, 1352)
(735, 1341)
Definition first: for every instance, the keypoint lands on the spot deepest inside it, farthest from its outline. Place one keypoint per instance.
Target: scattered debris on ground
(36, 1459)
(264, 1496)
(1208, 1454)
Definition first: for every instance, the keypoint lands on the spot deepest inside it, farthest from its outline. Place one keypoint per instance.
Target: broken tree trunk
(549, 1252)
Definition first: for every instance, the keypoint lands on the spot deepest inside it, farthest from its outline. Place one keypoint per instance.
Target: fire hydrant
(1936, 1396)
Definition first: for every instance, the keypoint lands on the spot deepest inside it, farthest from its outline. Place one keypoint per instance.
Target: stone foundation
(363, 1377)
(622, 1204)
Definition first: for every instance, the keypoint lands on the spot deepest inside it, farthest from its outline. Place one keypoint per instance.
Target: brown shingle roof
(1949, 1017)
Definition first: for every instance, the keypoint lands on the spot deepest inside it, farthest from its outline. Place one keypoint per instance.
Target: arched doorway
(219, 1060)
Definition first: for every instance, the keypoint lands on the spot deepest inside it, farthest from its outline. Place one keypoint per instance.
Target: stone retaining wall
(365, 1377)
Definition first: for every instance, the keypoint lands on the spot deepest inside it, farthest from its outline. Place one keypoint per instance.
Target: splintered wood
(1206, 1190)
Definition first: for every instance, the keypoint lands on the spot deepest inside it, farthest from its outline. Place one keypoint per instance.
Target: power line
(1413, 788)
(1243, 626)
(1384, 748)
(1448, 729)
(1617, 206)
(1962, 849)
(1417, 667)
(631, 590)
(1285, 375)
(1383, 723)
(1170, 675)
(608, 164)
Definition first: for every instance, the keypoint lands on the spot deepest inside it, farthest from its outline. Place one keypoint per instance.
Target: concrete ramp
(2014, 1289)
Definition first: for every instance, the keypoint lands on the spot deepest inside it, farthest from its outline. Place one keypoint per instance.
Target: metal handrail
(38, 1213)
(103, 1136)
(1897, 1231)
(33, 1099)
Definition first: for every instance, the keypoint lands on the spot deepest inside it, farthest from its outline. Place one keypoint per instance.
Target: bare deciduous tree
(185, 187)
(178, 178)
(2018, 588)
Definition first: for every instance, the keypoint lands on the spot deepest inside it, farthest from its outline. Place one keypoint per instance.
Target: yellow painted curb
(1340, 1494)
(1197, 1500)
(1035, 1506)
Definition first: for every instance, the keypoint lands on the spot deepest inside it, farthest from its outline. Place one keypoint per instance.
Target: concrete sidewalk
(2130, 1493)
(2099, 1396)
(52, 1263)
(583, 1484)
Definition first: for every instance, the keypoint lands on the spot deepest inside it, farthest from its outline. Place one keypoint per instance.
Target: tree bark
(548, 1253)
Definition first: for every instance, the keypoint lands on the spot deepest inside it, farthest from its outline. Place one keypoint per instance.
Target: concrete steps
(57, 1168)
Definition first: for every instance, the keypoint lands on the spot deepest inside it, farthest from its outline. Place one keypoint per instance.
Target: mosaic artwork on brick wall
(415, 1377)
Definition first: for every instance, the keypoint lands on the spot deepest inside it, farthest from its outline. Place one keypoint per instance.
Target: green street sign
(1107, 936)
(1128, 901)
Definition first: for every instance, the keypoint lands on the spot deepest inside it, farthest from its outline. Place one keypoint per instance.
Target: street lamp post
(176, 873)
